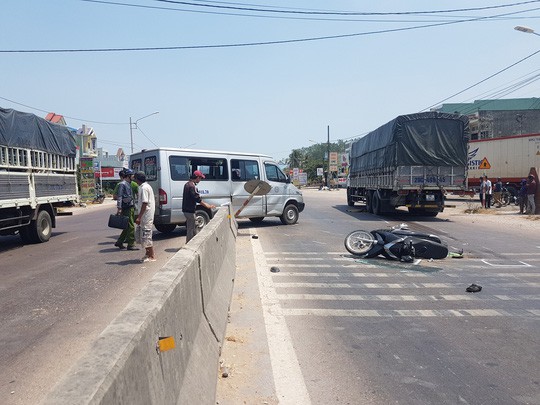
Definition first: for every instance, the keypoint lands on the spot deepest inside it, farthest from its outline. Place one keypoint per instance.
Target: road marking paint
(288, 380)
(333, 297)
(398, 313)
(522, 264)
(391, 285)
(342, 274)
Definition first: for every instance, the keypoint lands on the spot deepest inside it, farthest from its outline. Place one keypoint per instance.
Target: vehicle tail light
(162, 197)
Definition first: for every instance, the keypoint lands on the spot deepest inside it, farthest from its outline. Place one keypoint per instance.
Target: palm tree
(295, 159)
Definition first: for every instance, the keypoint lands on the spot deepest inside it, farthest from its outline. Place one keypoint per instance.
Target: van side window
(150, 168)
(244, 170)
(212, 168)
(179, 168)
(274, 173)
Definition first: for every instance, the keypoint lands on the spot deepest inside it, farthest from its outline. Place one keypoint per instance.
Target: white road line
(342, 274)
(522, 264)
(396, 313)
(412, 298)
(390, 285)
(289, 382)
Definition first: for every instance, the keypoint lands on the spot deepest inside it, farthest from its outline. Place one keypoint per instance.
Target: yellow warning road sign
(484, 164)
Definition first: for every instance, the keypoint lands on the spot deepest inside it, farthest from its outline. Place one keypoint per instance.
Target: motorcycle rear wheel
(359, 242)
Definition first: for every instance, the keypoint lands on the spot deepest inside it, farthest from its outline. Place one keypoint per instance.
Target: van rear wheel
(201, 219)
(290, 215)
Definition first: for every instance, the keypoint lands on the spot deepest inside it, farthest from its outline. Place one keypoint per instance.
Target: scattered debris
(274, 269)
(254, 237)
(473, 288)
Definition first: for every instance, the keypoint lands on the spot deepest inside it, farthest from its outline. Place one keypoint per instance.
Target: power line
(482, 81)
(286, 17)
(65, 116)
(348, 13)
(278, 42)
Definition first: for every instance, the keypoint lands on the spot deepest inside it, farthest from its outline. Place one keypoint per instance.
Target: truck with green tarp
(413, 161)
(38, 174)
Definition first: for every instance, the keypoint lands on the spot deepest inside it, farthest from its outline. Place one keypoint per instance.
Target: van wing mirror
(288, 179)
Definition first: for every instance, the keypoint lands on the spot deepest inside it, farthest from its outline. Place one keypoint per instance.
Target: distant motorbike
(509, 195)
(397, 243)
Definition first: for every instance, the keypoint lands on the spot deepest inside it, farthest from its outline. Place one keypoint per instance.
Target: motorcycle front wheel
(359, 242)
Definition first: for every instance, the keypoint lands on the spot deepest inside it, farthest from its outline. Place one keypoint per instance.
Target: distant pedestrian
(522, 196)
(482, 192)
(531, 192)
(190, 199)
(488, 192)
(145, 219)
(125, 206)
(497, 193)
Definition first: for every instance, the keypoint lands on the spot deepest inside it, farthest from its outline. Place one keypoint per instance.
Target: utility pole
(131, 134)
(328, 154)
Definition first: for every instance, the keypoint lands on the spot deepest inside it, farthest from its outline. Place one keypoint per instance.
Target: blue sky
(266, 98)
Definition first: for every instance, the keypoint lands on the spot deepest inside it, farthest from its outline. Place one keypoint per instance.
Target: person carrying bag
(125, 207)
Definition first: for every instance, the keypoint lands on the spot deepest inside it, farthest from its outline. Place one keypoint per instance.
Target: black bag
(118, 221)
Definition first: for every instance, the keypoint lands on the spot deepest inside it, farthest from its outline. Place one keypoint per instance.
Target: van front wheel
(290, 215)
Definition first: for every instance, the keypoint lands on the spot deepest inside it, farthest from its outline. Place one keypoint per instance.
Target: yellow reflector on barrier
(166, 343)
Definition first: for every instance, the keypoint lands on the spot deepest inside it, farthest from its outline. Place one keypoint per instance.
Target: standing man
(125, 205)
(531, 191)
(190, 199)
(497, 193)
(146, 205)
(489, 191)
(482, 192)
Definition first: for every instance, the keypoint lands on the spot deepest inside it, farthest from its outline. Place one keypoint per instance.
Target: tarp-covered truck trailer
(411, 161)
(509, 158)
(37, 174)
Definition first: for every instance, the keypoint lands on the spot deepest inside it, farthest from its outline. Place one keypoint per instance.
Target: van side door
(243, 170)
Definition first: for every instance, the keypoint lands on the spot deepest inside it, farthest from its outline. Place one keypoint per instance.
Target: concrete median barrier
(188, 300)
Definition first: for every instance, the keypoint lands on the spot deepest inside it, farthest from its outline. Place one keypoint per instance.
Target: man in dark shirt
(190, 199)
(531, 191)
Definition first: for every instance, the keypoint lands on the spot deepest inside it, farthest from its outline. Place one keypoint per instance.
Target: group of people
(490, 193)
(140, 210)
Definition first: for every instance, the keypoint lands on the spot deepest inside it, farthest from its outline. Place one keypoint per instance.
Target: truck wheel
(256, 220)
(376, 204)
(165, 228)
(25, 235)
(201, 219)
(41, 228)
(369, 202)
(290, 215)
(350, 201)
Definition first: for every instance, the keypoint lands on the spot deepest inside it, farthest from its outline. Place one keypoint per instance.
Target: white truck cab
(168, 169)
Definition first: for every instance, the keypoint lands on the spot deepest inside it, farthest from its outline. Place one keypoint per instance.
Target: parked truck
(509, 158)
(37, 174)
(412, 161)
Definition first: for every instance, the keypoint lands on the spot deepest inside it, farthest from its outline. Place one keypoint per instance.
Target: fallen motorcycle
(397, 243)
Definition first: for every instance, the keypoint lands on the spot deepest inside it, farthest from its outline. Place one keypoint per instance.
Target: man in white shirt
(146, 205)
(489, 191)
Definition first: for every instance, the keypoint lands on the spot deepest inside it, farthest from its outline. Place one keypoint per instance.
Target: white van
(168, 169)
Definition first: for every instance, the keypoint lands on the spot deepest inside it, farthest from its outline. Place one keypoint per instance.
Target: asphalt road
(340, 330)
(56, 297)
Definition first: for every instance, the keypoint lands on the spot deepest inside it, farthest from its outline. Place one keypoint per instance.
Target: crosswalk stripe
(395, 313)
(378, 297)
(388, 285)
